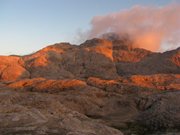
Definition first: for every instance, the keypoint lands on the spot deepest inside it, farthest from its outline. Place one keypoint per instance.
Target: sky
(29, 25)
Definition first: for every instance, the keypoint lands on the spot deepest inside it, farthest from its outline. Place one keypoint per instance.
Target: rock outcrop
(12, 68)
(42, 114)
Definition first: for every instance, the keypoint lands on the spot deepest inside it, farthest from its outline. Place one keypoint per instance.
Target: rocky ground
(101, 87)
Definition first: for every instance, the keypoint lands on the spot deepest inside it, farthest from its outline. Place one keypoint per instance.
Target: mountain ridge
(97, 57)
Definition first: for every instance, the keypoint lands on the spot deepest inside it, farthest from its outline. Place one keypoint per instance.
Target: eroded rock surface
(12, 68)
(42, 114)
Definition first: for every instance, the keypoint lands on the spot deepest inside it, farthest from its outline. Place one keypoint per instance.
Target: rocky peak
(98, 57)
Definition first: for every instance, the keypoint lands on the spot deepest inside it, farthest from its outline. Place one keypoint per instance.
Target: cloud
(148, 27)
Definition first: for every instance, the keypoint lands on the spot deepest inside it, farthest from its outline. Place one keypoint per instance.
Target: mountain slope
(101, 87)
(97, 57)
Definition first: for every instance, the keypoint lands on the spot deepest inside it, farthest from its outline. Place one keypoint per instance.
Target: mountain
(101, 87)
(94, 58)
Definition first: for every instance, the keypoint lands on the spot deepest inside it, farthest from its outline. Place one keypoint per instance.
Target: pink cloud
(148, 27)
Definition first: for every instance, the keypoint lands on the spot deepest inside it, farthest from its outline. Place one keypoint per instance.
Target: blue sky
(28, 25)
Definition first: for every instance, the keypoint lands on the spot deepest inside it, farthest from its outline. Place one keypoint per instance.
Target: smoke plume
(152, 28)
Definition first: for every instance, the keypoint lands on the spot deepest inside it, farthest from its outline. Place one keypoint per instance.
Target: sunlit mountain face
(121, 76)
(104, 82)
